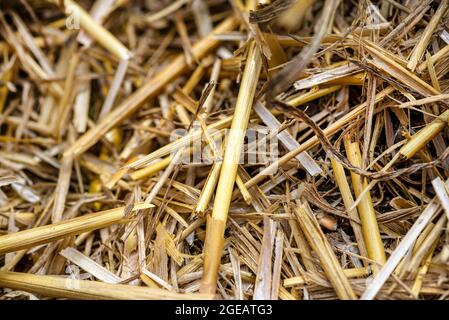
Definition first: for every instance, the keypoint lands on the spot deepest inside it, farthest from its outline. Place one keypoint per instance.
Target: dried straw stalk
(68, 288)
(44, 234)
(217, 222)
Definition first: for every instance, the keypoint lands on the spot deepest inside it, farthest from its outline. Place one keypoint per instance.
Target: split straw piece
(321, 247)
(62, 188)
(383, 60)
(59, 287)
(40, 235)
(331, 74)
(370, 228)
(151, 88)
(95, 30)
(215, 229)
(89, 265)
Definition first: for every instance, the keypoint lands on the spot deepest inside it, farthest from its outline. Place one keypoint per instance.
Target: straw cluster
(196, 149)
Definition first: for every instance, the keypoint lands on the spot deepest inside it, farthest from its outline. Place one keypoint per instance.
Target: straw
(217, 223)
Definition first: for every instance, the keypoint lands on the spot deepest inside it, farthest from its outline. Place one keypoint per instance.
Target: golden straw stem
(208, 189)
(243, 190)
(348, 200)
(423, 136)
(215, 230)
(312, 95)
(349, 273)
(152, 169)
(365, 207)
(36, 236)
(59, 287)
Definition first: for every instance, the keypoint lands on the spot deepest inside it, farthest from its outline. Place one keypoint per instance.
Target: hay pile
(224, 149)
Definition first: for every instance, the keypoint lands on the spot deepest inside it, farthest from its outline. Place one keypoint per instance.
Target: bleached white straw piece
(89, 265)
(115, 87)
(326, 76)
(82, 101)
(442, 193)
(286, 139)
